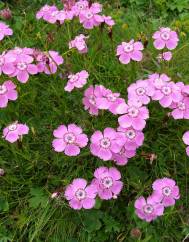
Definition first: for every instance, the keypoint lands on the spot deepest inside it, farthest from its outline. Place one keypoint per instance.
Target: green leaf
(92, 221)
(38, 198)
(4, 206)
(111, 225)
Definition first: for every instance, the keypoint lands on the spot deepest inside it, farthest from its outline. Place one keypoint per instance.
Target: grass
(34, 170)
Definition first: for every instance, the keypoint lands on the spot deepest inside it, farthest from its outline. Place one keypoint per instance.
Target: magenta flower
(185, 139)
(149, 209)
(108, 20)
(107, 181)
(7, 92)
(123, 156)
(80, 195)
(142, 90)
(133, 138)
(165, 56)
(69, 139)
(166, 191)
(128, 51)
(90, 17)
(134, 115)
(5, 30)
(90, 96)
(181, 109)
(15, 131)
(168, 94)
(165, 37)
(78, 80)
(158, 80)
(103, 145)
(79, 43)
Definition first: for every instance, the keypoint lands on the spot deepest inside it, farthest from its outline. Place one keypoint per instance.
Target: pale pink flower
(148, 209)
(80, 195)
(15, 131)
(77, 80)
(6, 62)
(80, 6)
(181, 109)
(7, 92)
(5, 30)
(108, 20)
(128, 51)
(90, 17)
(45, 11)
(165, 56)
(107, 181)
(158, 80)
(103, 145)
(123, 156)
(185, 139)
(79, 43)
(69, 139)
(165, 37)
(166, 191)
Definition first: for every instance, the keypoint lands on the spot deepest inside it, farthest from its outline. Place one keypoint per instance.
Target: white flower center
(22, 66)
(107, 182)
(111, 97)
(73, 78)
(3, 89)
(80, 194)
(181, 106)
(80, 6)
(133, 112)
(166, 90)
(140, 91)
(12, 127)
(1, 61)
(166, 191)
(128, 48)
(148, 209)
(165, 35)
(89, 15)
(105, 143)
(69, 138)
(131, 134)
(92, 99)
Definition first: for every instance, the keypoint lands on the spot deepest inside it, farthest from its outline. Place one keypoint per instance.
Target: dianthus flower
(181, 109)
(5, 30)
(80, 6)
(79, 43)
(108, 20)
(158, 80)
(45, 12)
(7, 92)
(165, 56)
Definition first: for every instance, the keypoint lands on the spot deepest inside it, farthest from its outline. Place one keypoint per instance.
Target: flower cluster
(106, 184)
(88, 14)
(165, 192)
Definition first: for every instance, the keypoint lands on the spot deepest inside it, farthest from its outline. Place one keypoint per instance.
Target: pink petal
(159, 44)
(23, 76)
(58, 145)
(88, 203)
(75, 204)
(72, 150)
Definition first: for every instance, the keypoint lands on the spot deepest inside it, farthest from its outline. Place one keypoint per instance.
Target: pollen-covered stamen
(105, 143)
(165, 35)
(166, 191)
(133, 112)
(69, 138)
(3, 89)
(107, 182)
(148, 209)
(111, 97)
(21, 66)
(166, 90)
(140, 91)
(181, 106)
(131, 134)
(128, 48)
(92, 99)
(12, 127)
(80, 194)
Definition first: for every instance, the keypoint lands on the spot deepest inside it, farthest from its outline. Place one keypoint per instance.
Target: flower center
(92, 99)
(166, 191)
(69, 138)
(128, 48)
(3, 89)
(73, 78)
(107, 182)
(166, 90)
(105, 143)
(12, 127)
(165, 35)
(111, 97)
(131, 134)
(21, 66)
(1, 61)
(80, 6)
(140, 91)
(80, 194)
(133, 112)
(181, 106)
(148, 209)
(89, 15)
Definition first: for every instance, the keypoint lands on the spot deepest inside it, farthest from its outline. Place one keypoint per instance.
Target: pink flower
(90, 17)
(108, 20)
(181, 109)
(165, 56)
(45, 12)
(106, 143)
(80, 6)
(69, 139)
(128, 51)
(168, 94)
(133, 138)
(123, 156)
(149, 209)
(80, 195)
(7, 92)
(185, 139)
(6, 62)
(15, 131)
(158, 80)
(5, 30)
(142, 90)
(79, 43)
(68, 4)
(134, 115)
(90, 96)
(166, 191)
(78, 80)
(107, 181)
(165, 37)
